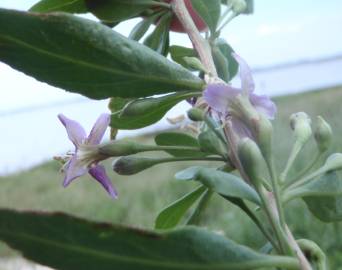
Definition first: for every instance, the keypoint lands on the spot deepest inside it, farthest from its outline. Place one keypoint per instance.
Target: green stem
(273, 222)
(200, 44)
(306, 179)
(314, 251)
(276, 189)
(307, 169)
(297, 146)
(196, 216)
(229, 19)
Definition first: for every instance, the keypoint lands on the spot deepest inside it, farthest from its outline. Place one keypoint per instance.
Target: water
(30, 138)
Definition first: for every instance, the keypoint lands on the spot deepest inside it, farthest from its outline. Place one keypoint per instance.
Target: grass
(143, 195)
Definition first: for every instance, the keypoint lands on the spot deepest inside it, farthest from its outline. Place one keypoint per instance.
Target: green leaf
(140, 29)
(323, 197)
(64, 242)
(227, 66)
(159, 39)
(179, 139)
(144, 112)
(178, 53)
(117, 10)
(225, 184)
(116, 105)
(71, 6)
(86, 57)
(210, 143)
(170, 216)
(209, 11)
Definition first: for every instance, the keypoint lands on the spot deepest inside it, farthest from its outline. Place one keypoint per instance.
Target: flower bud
(194, 63)
(251, 160)
(301, 124)
(133, 165)
(120, 148)
(239, 6)
(334, 162)
(264, 134)
(210, 143)
(323, 134)
(196, 114)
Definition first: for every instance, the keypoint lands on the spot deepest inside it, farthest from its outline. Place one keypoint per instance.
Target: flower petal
(240, 128)
(247, 82)
(264, 105)
(75, 131)
(100, 175)
(99, 129)
(73, 170)
(219, 95)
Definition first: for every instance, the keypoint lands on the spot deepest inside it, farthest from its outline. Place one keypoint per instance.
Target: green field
(142, 196)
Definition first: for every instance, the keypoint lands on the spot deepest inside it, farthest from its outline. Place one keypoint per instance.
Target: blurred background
(295, 51)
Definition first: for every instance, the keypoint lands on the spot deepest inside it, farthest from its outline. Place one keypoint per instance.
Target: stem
(240, 203)
(294, 152)
(308, 168)
(304, 264)
(196, 216)
(276, 189)
(314, 251)
(172, 159)
(200, 44)
(304, 180)
(273, 218)
(231, 17)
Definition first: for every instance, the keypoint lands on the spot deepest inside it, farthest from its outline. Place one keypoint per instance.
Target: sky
(278, 32)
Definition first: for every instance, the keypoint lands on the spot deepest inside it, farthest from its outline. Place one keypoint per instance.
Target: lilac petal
(218, 96)
(99, 129)
(73, 170)
(247, 82)
(264, 105)
(240, 128)
(100, 175)
(75, 131)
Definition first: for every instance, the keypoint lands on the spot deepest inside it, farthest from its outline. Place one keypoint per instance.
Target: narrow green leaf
(222, 53)
(159, 39)
(327, 185)
(179, 139)
(71, 6)
(225, 184)
(64, 242)
(86, 57)
(140, 29)
(144, 112)
(178, 53)
(209, 11)
(116, 105)
(171, 216)
(323, 197)
(210, 143)
(117, 10)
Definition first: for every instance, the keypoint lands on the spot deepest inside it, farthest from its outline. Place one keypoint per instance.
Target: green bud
(133, 165)
(264, 135)
(194, 63)
(323, 134)
(251, 160)
(209, 143)
(121, 148)
(301, 124)
(333, 162)
(239, 6)
(196, 114)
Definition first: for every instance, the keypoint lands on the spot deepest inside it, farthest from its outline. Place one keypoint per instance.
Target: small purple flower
(85, 158)
(222, 98)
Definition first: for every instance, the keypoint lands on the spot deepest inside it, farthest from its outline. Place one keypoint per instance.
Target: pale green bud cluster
(301, 125)
(323, 134)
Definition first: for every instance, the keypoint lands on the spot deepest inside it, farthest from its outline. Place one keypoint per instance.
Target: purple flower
(85, 158)
(226, 99)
